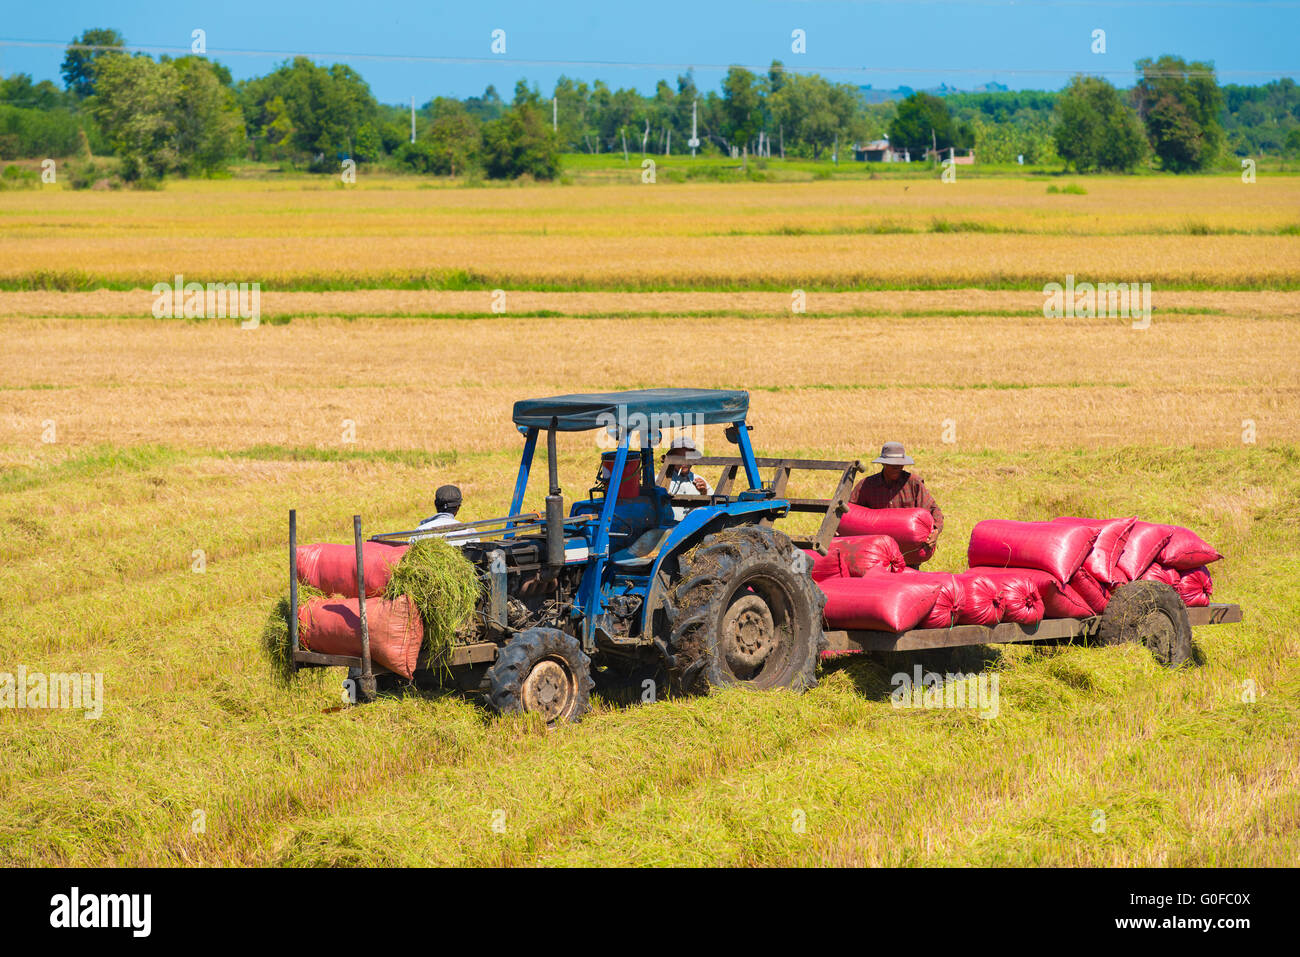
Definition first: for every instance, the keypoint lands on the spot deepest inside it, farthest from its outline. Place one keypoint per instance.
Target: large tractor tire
(542, 670)
(1151, 614)
(743, 611)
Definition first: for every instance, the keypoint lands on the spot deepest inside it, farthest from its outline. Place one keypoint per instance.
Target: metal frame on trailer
(834, 507)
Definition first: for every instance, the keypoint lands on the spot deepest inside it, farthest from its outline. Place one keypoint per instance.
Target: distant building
(966, 159)
(879, 151)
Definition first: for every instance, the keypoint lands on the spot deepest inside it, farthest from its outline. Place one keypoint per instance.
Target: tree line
(187, 116)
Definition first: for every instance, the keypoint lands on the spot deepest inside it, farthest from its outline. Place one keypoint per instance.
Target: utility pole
(668, 147)
(555, 113)
(412, 119)
(695, 136)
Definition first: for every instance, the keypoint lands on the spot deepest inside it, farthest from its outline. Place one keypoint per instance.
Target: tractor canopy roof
(634, 410)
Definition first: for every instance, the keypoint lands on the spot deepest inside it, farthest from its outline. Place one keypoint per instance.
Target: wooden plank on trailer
(728, 479)
(473, 654)
(824, 465)
(837, 507)
(1216, 614)
(924, 638)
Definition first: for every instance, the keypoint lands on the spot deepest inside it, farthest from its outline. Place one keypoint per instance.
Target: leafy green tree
(1180, 103)
(327, 108)
(136, 103)
(1094, 129)
(520, 142)
(79, 65)
(923, 120)
(209, 122)
(450, 144)
(742, 106)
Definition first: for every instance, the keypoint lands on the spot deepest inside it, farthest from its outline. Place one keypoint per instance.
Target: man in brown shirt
(892, 487)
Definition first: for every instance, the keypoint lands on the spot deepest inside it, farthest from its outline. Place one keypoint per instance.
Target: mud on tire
(1151, 614)
(743, 610)
(542, 670)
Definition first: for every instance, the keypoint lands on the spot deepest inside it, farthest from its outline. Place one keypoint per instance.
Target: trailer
(616, 561)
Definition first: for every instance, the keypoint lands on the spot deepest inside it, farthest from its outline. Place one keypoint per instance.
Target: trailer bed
(847, 642)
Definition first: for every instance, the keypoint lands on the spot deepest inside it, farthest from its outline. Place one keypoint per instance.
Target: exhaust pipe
(554, 505)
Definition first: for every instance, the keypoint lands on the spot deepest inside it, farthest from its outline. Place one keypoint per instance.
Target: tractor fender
(697, 523)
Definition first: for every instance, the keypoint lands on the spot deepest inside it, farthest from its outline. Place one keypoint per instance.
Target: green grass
(1184, 770)
(460, 280)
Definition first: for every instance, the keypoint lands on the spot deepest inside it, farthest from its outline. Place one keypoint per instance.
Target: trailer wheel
(541, 670)
(1152, 614)
(743, 611)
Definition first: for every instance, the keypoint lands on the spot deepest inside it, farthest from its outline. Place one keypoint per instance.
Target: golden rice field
(1211, 231)
(147, 467)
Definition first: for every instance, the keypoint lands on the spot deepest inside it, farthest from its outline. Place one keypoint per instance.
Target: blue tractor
(633, 584)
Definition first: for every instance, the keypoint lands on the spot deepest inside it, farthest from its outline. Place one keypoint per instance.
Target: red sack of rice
(332, 626)
(1094, 594)
(1144, 544)
(830, 565)
(1053, 547)
(864, 552)
(1017, 592)
(947, 603)
(878, 601)
(1195, 588)
(907, 526)
(1158, 573)
(333, 568)
(1059, 601)
(1103, 561)
(1186, 551)
(981, 601)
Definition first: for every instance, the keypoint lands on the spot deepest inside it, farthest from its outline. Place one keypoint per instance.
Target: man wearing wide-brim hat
(895, 487)
(680, 477)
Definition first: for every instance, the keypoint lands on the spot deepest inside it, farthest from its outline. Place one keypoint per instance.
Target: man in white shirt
(447, 501)
(680, 478)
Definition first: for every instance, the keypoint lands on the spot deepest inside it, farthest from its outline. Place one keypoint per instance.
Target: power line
(624, 64)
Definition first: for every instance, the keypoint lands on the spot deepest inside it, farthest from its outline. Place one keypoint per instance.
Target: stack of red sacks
(1075, 564)
(1019, 572)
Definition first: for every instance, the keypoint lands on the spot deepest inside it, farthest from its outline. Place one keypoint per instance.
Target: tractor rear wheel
(1152, 614)
(744, 611)
(542, 670)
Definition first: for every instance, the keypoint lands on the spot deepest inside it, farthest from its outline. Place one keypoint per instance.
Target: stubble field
(129, 446)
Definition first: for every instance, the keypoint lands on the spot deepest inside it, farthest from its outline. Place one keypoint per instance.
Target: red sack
(1017, 592)
(1094, 594)
(1053, 547)
(907, 526)
(1185, 550)
(830, 565)
(1144, 544)
(1059, 601)
(1195, 588)
(947, 603)
(333, 568)
(1158, 573)
(878, 601)
(1103, 561)
(981, 602)
(855, 555)
(332, 626)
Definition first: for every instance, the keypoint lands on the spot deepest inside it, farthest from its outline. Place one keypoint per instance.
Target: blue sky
(1022, 43)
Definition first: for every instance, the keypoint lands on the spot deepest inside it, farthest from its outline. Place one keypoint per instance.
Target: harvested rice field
(147, 467)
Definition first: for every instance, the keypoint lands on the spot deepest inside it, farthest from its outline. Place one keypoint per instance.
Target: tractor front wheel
(542, 670)
(744, 611)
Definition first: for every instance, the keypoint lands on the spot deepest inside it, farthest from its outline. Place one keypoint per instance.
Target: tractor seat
(643, 551)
